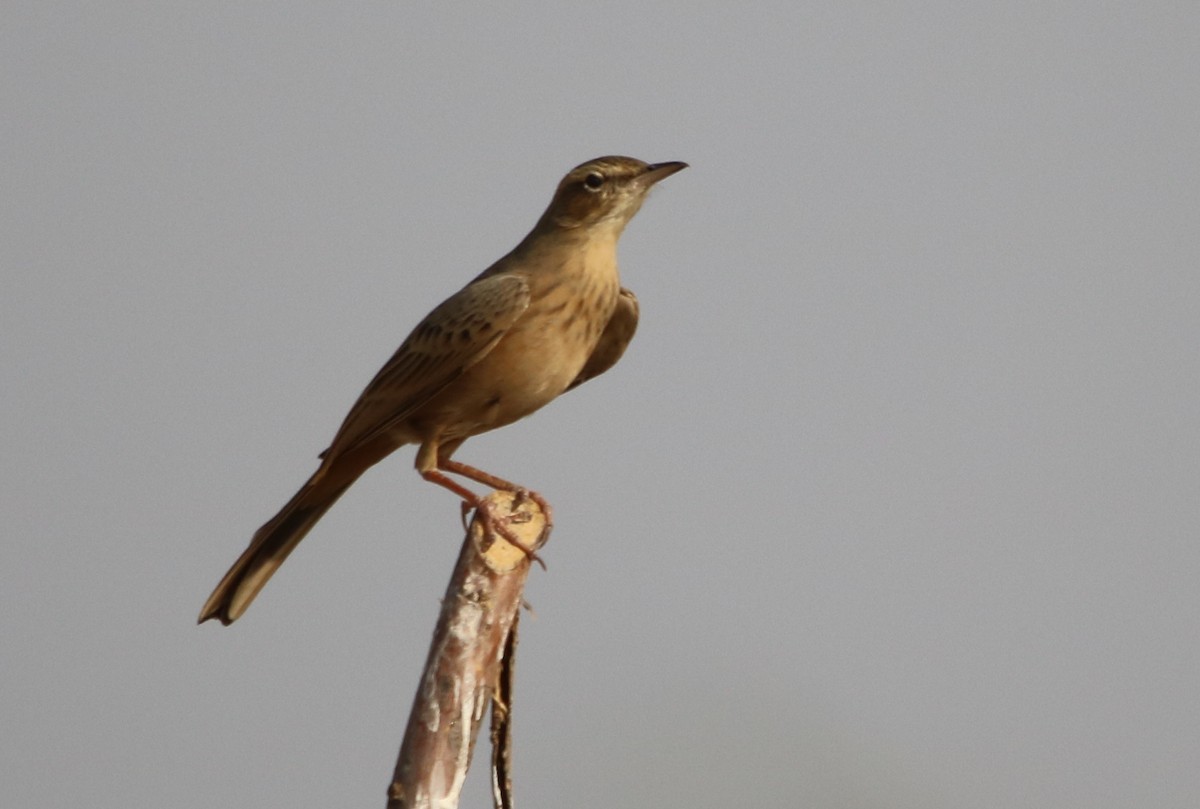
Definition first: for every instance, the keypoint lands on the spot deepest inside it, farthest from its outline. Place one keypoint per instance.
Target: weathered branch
(463, 669)
(501, 732)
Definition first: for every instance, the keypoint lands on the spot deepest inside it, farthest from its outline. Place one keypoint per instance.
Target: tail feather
(270, 546)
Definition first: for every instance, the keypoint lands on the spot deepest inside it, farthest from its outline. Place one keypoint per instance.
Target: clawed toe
(500, 526)
(523, 495)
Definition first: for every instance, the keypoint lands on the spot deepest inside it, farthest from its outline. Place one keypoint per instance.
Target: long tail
(271, 545)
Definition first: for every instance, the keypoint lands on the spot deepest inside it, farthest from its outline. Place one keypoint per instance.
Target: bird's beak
(660, 171)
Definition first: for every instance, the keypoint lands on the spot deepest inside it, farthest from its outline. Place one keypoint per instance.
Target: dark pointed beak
(661, 171)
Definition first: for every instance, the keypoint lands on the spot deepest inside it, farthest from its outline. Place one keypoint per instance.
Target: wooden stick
(462, 672)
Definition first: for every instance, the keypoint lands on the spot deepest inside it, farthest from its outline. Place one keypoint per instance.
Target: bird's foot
(522, 494)
(500, 526)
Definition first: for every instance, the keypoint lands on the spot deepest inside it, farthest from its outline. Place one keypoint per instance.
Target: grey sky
(892, 502)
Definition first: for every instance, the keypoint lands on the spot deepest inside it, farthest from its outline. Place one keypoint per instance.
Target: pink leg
(488, 479)
(498, 525)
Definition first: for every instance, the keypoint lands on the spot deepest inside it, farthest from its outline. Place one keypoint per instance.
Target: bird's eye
(593, 181)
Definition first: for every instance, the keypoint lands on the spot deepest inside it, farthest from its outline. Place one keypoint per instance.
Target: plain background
(892, 503)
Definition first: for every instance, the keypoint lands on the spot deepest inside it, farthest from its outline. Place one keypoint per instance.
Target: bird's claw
(499, 526)
(523, 495)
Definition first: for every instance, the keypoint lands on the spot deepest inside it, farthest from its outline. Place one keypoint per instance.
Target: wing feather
(613, 340)
(453, 337)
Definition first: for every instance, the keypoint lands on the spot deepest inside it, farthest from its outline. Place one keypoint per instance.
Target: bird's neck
(592, 248)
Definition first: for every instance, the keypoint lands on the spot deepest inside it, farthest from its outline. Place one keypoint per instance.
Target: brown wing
(451, 338)
(613, 340)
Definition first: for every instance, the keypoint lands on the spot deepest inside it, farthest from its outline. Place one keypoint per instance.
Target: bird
(546, 317)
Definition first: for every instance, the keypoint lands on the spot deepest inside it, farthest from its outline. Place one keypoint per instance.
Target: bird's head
(605, 192)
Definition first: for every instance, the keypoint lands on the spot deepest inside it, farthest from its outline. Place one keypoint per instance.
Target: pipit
(542, 320)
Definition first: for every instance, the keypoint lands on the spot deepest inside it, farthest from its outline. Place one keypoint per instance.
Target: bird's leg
(497, 525)
(488, 479)
(477, 475)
